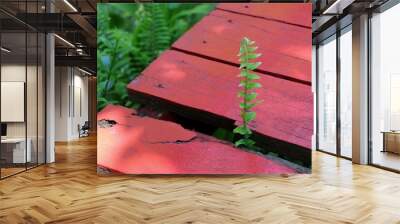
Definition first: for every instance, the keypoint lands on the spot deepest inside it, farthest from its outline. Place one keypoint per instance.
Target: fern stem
(245, 90)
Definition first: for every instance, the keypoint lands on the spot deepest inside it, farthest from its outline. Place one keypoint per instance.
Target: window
(22, 95)
(385, 89)
(327, 95)
(346, 92)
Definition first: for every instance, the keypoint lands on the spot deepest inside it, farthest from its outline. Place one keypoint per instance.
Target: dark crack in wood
(175, 142)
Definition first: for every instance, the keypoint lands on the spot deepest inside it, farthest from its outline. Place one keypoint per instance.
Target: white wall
(12, 101)
(16, 73)
(33, 127)
(62, 81)
(80, 100)
(12, 73)
(9, 73)
(71, 94)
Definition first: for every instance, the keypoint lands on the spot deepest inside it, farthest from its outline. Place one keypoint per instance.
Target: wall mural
(204, 88)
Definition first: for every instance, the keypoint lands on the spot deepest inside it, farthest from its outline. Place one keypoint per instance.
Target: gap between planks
(273, 74)
(265, 18)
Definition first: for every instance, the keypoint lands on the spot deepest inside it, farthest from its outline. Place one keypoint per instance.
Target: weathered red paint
(286, 113)
(299, 14)
(286, 48)
(143, 145)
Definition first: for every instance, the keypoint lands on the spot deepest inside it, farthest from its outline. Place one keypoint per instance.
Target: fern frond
(247, 83)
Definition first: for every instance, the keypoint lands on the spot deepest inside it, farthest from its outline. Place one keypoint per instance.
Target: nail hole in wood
(104, 123)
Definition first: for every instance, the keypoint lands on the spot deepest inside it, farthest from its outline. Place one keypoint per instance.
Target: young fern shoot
(247, 55)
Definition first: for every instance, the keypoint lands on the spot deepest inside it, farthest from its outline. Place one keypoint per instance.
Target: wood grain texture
(295, 13)
(70, 191)
(285, 49)
(286, 113)
(143, 145)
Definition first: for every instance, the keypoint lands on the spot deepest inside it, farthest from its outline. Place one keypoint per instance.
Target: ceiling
(332, 15)
(74, 22)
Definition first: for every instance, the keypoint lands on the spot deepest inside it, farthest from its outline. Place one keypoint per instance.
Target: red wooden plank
(286, 49)
(143, 145)
(298, 14)
(286, 114)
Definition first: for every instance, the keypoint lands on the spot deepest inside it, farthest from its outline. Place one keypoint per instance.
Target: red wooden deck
(200, 71)
(293, 13)
(197, 77)
(286, 48)
(143, 145)
(285, 114)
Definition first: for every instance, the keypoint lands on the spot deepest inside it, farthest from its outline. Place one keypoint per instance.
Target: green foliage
(224, 134)
(131, 36)
(248, 83)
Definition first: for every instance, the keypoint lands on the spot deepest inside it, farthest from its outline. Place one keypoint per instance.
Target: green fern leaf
(246, 55)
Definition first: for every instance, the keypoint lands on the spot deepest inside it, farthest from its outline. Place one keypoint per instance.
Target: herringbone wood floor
(70, 191)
